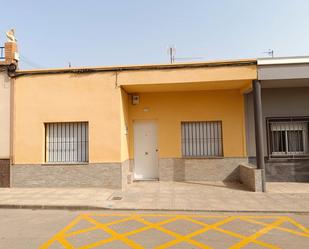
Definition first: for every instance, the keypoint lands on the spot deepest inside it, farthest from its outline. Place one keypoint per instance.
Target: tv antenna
(172, 55)
(171, 52)
(270, 53)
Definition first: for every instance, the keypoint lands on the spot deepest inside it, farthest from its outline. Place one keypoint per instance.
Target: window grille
(288, 137)
(66, 142)
(202, 139)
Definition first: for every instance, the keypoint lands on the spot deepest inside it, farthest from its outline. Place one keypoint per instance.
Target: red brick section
(4, 173)
(10, 49)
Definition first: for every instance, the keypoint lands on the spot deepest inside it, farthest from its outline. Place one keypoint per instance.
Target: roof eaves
(137, 67)
(283, 60)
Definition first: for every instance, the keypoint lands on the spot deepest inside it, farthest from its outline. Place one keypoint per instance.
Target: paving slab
(216, 196)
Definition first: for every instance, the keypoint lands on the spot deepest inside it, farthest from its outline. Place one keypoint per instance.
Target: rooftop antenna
(270, 53)
(171, 52)
(172, 55)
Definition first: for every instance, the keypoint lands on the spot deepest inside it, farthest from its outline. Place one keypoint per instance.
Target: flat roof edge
(138, 67)
(283, 60)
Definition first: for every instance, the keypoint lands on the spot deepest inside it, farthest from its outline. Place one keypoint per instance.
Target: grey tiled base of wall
(179, 169)
(104, 175)
(127, 173)
(285, 170)
(290, 170)
(4, 173)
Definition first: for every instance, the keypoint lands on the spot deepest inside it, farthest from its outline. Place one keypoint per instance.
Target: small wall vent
(135, 100)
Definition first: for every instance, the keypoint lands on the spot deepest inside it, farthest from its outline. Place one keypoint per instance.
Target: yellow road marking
(298, 225)
(60, 234)
(236, 235)
(284, 229)
(89, 229)
(184, 215)
(65, 243)
(149, 227)
(188, 237)
(179, 237)
(114, 234)
(64, 234)
(259, 233)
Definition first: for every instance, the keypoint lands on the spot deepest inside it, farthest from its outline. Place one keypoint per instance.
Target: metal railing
(2, 54)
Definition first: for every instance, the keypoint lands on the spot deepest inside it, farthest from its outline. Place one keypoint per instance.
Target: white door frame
(146, 163)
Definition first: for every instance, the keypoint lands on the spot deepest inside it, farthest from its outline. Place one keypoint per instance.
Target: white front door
(145, 150)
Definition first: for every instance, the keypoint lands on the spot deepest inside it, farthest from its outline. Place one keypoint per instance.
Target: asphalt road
(55, 229)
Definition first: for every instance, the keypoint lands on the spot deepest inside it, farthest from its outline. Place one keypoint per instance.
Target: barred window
(202, 139)
(66, 142)
(288, 137)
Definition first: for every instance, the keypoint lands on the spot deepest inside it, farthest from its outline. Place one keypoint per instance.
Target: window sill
(66, 163)
(282, 158)
(213, 157)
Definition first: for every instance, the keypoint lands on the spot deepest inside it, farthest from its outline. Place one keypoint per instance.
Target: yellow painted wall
(170, 108)
(99, 99)
(187, 75)
(66, 98)
(124, 119)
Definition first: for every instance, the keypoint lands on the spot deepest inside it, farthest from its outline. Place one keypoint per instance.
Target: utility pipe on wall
(258, 121)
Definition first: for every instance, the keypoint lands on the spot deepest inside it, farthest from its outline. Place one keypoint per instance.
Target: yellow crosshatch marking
(94, 222)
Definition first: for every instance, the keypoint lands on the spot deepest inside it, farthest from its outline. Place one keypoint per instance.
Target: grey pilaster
(258, 121)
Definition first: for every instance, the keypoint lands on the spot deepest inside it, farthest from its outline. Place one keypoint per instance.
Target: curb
(85, 207)
(50, 207)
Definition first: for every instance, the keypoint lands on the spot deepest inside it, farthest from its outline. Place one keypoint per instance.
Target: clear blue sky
(51, 33)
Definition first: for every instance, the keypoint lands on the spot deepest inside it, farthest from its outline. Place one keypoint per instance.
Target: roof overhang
(284, 68)
(214, 75)
(242, 85)
(189, 79)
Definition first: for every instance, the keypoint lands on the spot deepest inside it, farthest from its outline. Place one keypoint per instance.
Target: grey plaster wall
(107, 175)
(278, 102)
(179, 169)
(287, 71)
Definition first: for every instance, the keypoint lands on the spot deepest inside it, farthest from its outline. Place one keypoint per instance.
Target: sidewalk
(210, 196)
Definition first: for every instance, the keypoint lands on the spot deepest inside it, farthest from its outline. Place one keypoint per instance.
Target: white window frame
(285, 126)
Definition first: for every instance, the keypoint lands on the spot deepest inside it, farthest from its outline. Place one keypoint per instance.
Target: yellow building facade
(106, 126)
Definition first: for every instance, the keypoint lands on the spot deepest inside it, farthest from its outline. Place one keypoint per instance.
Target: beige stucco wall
(4, 114)
(67, 98)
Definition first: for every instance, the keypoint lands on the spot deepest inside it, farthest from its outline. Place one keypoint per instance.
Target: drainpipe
(258, 121)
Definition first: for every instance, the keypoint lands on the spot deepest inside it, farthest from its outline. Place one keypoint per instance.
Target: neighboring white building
(8, 62)
(4, 113)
